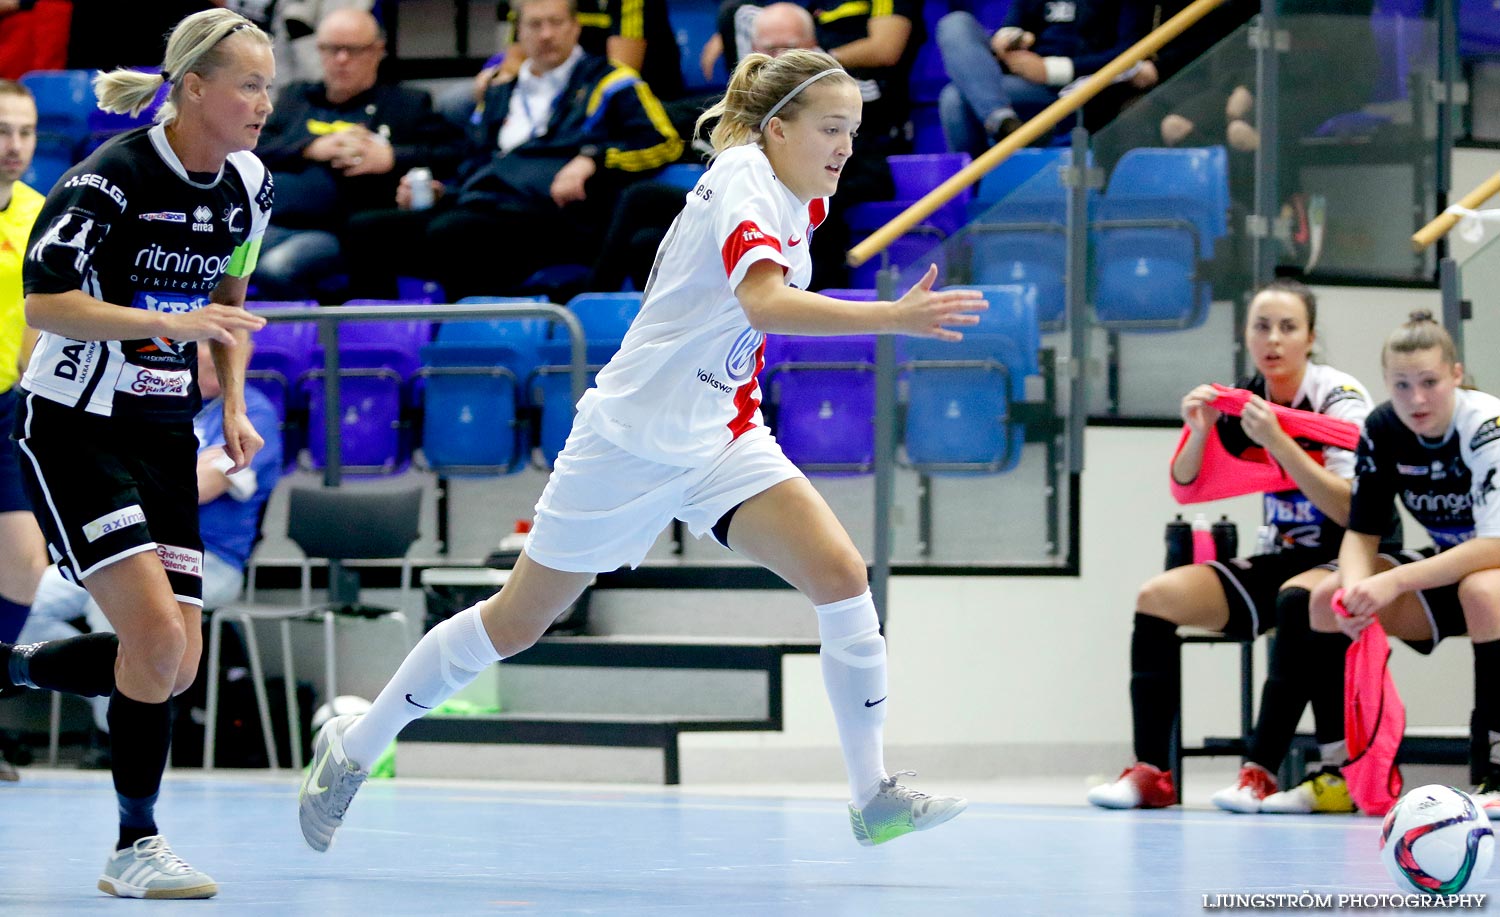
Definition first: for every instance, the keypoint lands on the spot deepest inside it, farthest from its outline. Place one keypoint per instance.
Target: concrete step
(772, 614)
(655, 732)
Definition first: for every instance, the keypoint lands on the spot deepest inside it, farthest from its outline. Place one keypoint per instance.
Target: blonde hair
(758, 84)
(1420, 332)
(194, 47)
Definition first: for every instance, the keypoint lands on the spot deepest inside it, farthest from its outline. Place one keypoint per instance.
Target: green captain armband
(242, 260)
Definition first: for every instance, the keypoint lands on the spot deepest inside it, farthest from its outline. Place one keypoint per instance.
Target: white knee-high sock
(449, 657)
(853, 657)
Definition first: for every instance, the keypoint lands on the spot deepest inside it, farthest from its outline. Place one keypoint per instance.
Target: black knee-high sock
(1326, 656)
(1286, 690)
(82, 665)
(1484, 760)
(1155, 687)
(141, 734)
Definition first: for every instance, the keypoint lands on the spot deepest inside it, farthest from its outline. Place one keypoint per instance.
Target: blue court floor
(434, 848)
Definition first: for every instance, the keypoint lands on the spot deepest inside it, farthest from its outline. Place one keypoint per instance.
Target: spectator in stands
(33, 36)
(229, 516)
(1002, 79)
(550, 153)
(877, 44)
(292, 25)
(647, 208)
(636, 33)
(1239, 597)
(23, 553)
(338, 147)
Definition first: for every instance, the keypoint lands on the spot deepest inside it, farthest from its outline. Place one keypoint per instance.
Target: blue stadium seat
(605, 318)
(958, 416)
(474, 419)
(927, 129)
(64, 101)
(682, 175)
(1159, 218)
(1019, 232)
(1478, 29)
(695, 22)
(282, 353)
(820, 395)
(913, 176)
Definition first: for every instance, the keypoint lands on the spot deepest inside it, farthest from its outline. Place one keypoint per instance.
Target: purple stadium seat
(1478, 29)
(822, 393)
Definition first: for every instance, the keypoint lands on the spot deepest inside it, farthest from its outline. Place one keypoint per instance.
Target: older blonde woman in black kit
(142, 251)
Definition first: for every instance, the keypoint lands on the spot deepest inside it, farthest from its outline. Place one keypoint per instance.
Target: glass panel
(1479, 277)
(1357, 133)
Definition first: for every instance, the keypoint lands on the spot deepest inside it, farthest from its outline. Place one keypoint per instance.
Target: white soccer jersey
(683, 384)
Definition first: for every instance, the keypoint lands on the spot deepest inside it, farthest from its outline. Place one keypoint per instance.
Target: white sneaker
(149, 869)
(1322, 792)
(330, 785)
(898, 810)
(1255, 783)
(1139, 786)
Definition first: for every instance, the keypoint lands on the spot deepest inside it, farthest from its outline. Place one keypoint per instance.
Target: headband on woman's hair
(793, 94)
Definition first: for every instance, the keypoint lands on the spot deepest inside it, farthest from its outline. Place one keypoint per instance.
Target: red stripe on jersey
(817, 211)
(744, 237)
(747, 396)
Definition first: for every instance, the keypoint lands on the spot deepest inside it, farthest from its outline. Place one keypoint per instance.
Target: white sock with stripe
(451, 656)
(854, 667)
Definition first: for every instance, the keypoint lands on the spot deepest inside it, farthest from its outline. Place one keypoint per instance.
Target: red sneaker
(1140, 786)
(1255, 783)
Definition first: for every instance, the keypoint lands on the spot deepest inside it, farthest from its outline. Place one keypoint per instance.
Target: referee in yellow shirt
(23, 553)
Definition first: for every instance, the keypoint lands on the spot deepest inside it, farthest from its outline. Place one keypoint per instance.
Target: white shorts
(603, 507)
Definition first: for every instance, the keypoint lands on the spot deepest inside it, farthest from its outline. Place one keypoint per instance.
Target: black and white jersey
(1298, 522)
(1448, 485)
(130, 226)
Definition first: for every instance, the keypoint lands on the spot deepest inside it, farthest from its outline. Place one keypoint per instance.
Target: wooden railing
(1445, 221)
(1044, 122)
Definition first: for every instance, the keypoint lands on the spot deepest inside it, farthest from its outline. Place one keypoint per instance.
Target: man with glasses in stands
(339, 147)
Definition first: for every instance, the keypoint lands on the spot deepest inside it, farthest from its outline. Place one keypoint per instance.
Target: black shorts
(1251, 584)
(12, 490)
(105, 489)
(1444, 613)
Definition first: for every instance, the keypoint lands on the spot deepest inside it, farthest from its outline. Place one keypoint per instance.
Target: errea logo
(203, 219)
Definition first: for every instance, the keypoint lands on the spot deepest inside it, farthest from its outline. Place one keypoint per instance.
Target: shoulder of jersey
(1478, 419)
(1335, 385)
(745, 159)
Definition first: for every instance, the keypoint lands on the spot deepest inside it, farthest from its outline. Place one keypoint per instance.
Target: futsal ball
(344, 703)
(1436, 841)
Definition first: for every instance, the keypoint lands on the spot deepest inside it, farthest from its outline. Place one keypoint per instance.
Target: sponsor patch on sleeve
(122, 518)
(1488, 432)
(180, 560)
(744, 237)
(1341, 393)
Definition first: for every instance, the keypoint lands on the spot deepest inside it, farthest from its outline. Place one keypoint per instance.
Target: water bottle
(1179, 543)
(508, 551)
(420, 180)
(1203, 540)
(1226, 539)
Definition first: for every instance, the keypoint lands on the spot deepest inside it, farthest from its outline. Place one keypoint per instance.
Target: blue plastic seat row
(466, 391)
(957, 401)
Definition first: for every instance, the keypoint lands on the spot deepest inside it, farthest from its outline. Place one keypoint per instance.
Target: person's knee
(1320, 607)
(1155, 597)
(156, 643)
(843, 576)
(956, 26)
(1481, 607)
(187, 670)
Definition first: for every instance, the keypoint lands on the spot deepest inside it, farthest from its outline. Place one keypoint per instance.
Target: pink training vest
(1374, 719)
